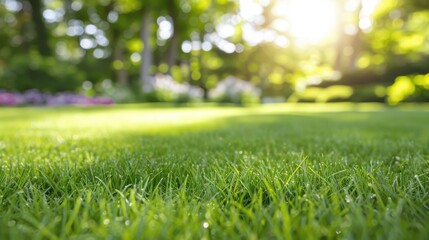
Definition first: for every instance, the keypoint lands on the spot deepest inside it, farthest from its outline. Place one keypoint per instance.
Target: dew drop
(349, 199)
(205, 225)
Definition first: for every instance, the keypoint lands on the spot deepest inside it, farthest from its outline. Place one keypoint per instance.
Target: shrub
(168, 90)
(409, 88)
(329, 94)
(121, 94)
(32, 71)
(369, 93)
(234, 90)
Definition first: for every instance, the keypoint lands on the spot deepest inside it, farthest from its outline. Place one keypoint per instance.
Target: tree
(42, 35)
(147, 58)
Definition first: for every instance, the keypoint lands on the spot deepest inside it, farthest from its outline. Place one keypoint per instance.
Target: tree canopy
(287, 48)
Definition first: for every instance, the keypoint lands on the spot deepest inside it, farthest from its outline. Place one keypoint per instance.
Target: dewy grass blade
(333, 171)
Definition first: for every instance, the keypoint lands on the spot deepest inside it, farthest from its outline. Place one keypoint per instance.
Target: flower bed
(34, 97)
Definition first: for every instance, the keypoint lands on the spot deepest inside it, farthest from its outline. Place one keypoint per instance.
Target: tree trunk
(173, 11)
(356, 42)
(24, 26)
(42, 37)
(356, 45)
(117, 43)
(349, 41)
(172, 50)
(147, 58)
(342, 37)
(121, 74)
(339, 55)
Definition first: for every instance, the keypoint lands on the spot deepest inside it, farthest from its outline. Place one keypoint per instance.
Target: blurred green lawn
(157, 171)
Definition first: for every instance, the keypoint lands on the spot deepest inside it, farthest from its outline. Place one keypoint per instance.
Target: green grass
(276, 172)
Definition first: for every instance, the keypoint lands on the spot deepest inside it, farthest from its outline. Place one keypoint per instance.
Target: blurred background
(246, 51)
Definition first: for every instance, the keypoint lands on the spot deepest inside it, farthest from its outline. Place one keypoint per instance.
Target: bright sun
(310, 21)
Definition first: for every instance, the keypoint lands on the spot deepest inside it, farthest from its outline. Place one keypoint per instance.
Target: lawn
(204, 172)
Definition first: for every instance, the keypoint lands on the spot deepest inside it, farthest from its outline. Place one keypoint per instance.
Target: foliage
(234, 90)
(133, 172)
(369, 93)
(200, 43)
(166, 89)
(329, 94)
(121, 94)
(25, 72)
(414, 88)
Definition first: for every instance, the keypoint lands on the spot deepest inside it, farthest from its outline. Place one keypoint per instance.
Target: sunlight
(310, 21)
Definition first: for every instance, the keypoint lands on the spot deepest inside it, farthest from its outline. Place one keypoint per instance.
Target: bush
(120, 94)
(234, 90)
(330, 94)
(369, 93)
(24, 72)
(168, 90)
(409, 88)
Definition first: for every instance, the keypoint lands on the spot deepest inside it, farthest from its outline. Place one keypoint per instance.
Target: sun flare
(309, 21)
